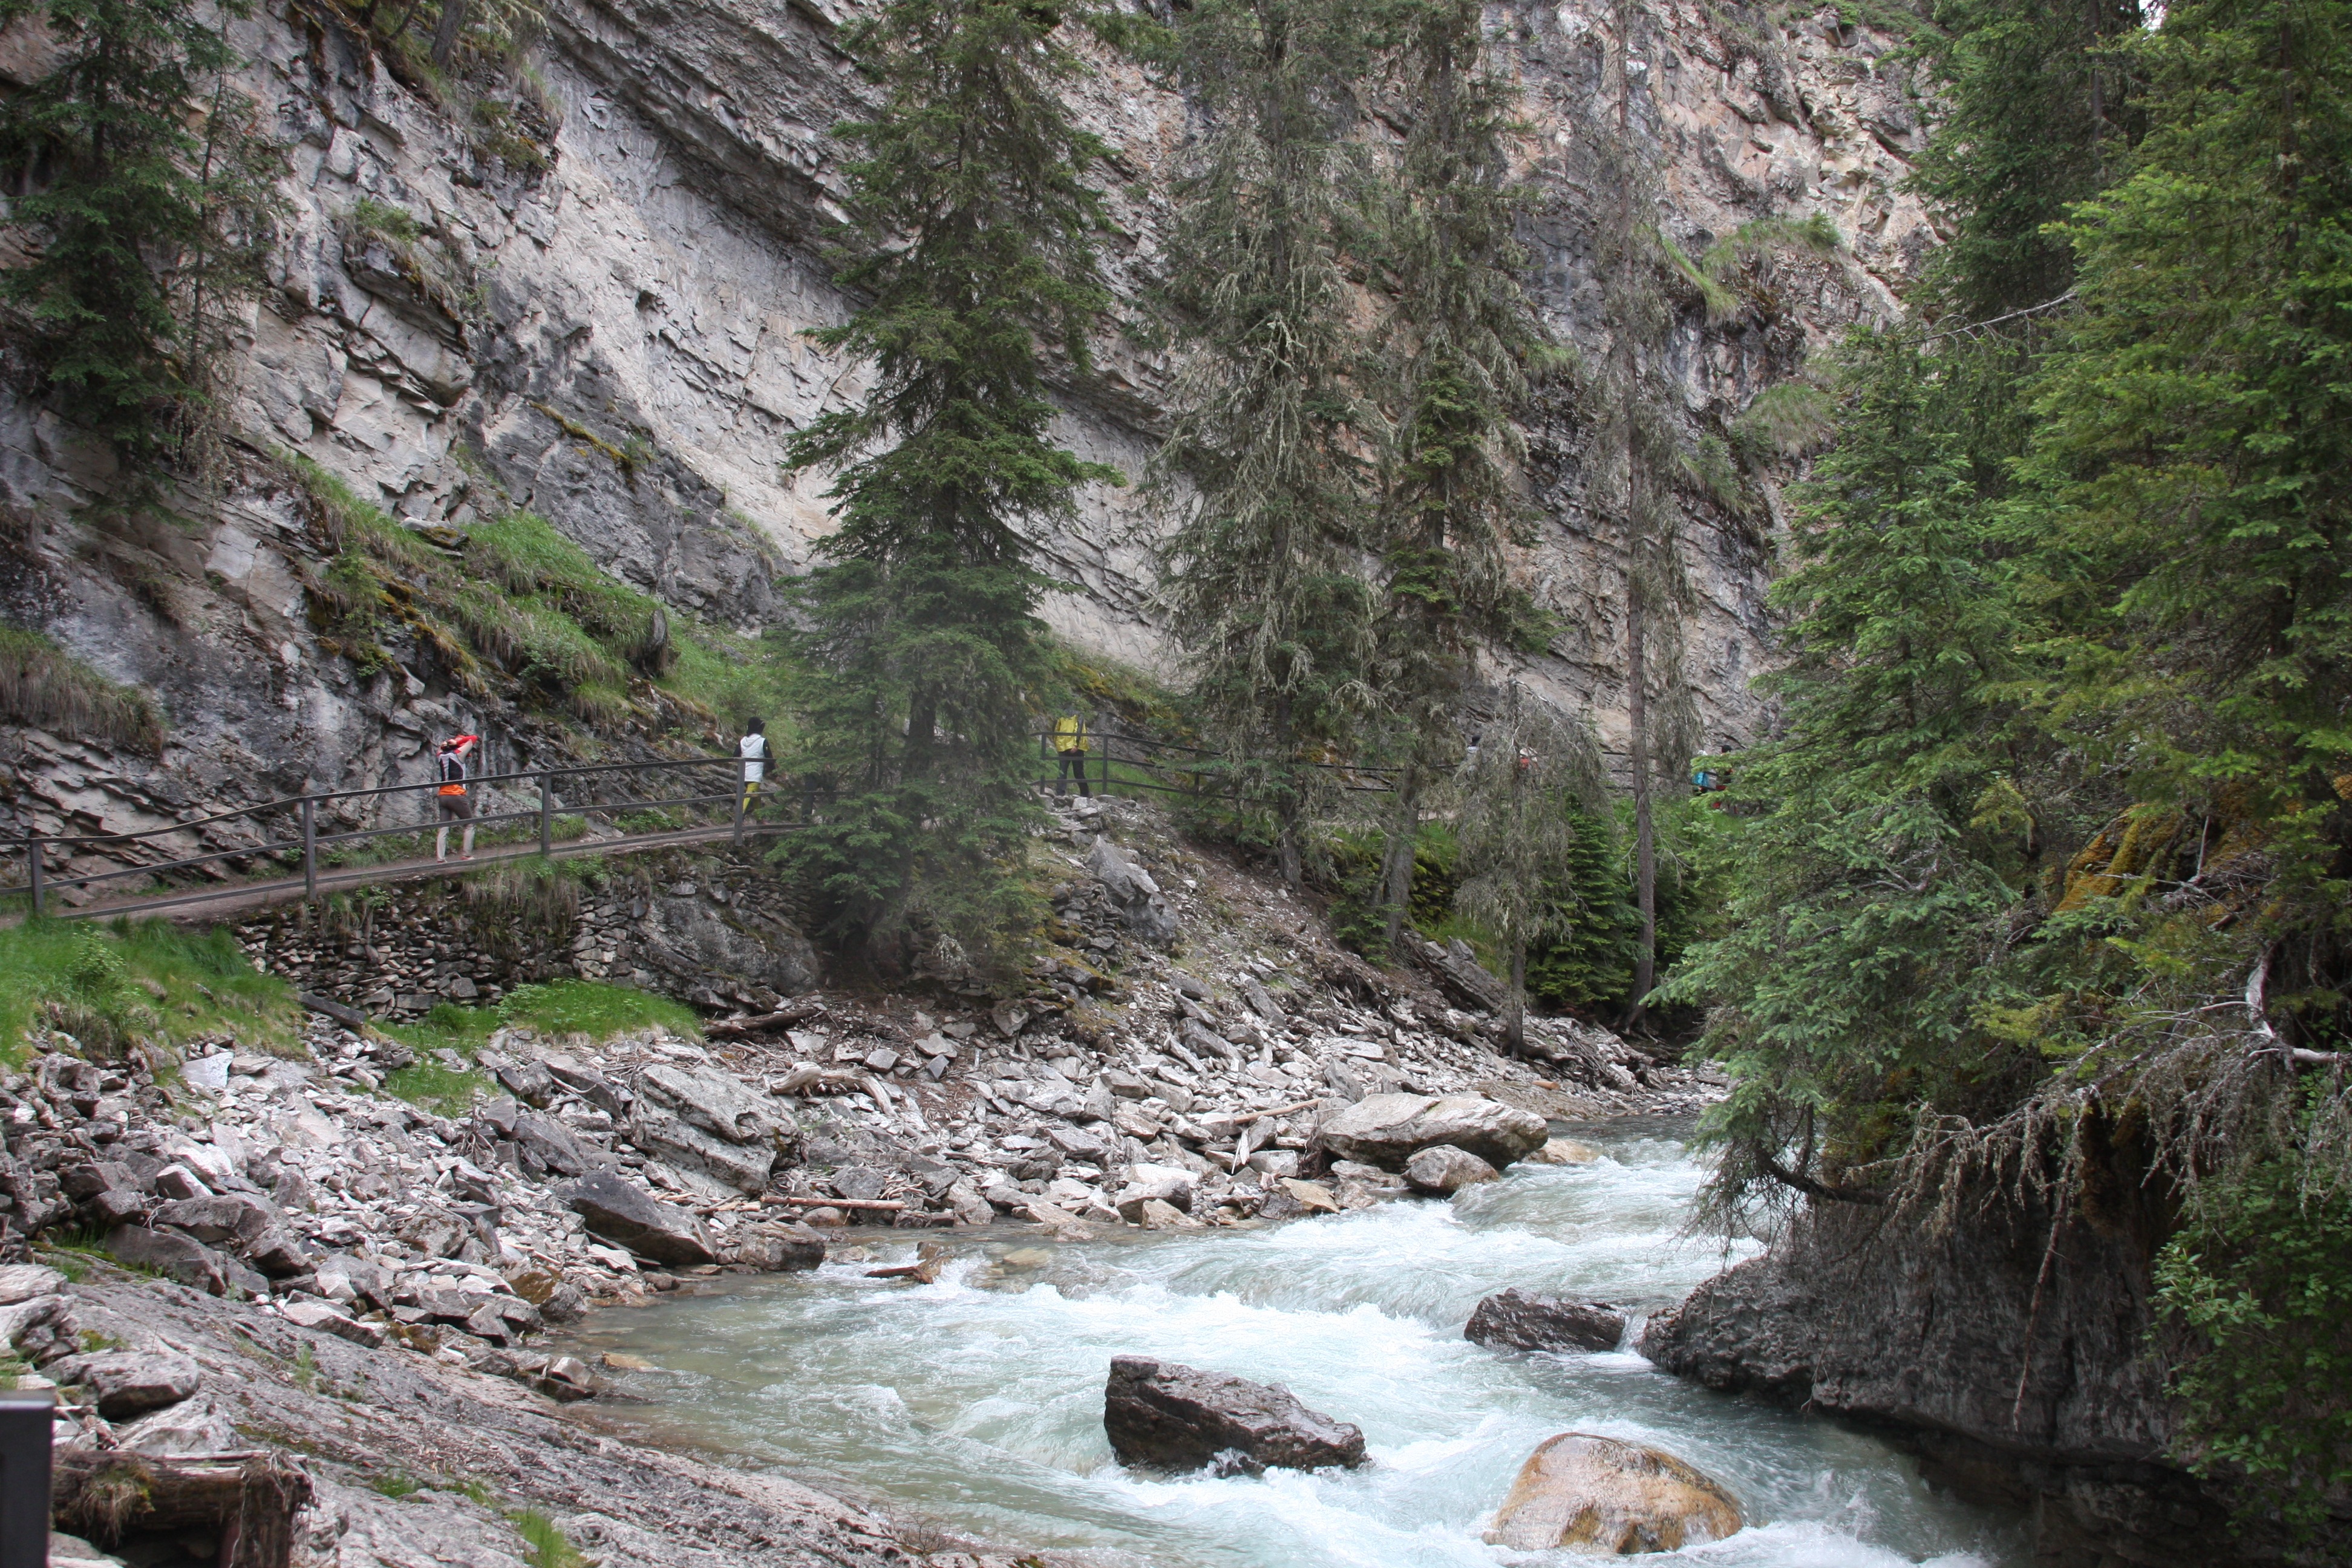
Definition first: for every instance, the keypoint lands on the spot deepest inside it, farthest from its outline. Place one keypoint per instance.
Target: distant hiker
(1070, 745)
(455, 805)
(754, 749)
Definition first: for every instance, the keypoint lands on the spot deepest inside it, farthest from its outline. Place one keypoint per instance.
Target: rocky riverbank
(327, 1300)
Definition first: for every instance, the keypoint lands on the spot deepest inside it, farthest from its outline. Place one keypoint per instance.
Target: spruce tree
(1519, 803)
(976, 232)
(1267, 463)
(1460, 336)
(148, 201)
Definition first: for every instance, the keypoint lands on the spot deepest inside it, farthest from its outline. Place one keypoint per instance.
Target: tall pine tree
(976, 228)
(1269, 463)
(1460, 336)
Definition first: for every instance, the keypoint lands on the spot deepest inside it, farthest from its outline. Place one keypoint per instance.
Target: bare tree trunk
(1637, 672)
(1396, 869)
(1515, 1015)
(451, 28)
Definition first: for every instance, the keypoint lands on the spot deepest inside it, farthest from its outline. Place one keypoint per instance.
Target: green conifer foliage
(1459, 335)
(147, 199)
(976, 228)
(1269, 463)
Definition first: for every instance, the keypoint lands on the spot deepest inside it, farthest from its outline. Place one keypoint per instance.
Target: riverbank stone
(1610, 1498)
(1388, 1130)
(1522, 1320)
(632, 1218)
(1176, 1417)
(1443, 1170)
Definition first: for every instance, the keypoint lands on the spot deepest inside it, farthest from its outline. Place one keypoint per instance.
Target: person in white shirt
(753, 750)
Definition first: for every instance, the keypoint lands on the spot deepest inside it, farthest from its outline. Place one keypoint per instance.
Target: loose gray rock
(711, 1102)
(1443, 1170)
(24, 1281)
(169, 1253)
(199, 1424)
(531, 1082)
(1133, 893)
(1387, 1130)
(128, 1382)
(780, 1248)
(551, 1144)
(1180, 1418)
(1523, 1319)
(630, 1217)
(232, 1217)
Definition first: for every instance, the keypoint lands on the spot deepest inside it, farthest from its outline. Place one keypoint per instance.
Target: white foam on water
(977, 1401)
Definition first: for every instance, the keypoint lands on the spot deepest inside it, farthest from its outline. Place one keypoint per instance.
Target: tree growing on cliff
(1459, 337)
(145, 200)
(975, 228)
(1269, 463)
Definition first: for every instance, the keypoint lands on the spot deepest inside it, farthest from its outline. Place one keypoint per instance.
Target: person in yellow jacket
(1070, 744)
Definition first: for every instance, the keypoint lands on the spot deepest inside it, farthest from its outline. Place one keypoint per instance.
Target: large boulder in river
(628, 1216)
(1181, 1418)
(1443, 1170)
(1388, 1130)
(1521, 1320)
(1606, 1497)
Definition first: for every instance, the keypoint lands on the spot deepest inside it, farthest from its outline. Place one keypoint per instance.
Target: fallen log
(836, 1203)
(798, 1012)
(326, 1007)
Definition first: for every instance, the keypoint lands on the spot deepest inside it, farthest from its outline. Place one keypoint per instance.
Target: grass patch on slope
(44, 687)
(110, 985)
(589, 1007)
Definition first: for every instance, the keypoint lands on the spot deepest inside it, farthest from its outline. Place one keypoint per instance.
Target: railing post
(546, 810)
(27, 1424)
(311, 848)
(32, 848)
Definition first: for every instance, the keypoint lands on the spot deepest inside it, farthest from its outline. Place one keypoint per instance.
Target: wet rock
(776, 1248)
(1179, 1418)
(632, 1218)
(1154, 1215)
(1443, 1170)
(168, 1253)
(1387, 1130)
(1564, 1152)
(566, 1379)
(1312, 1197)
(1603, 1495)
(129, 1383)
(567, 1303)
(1170, 1184)
(1523, 1319)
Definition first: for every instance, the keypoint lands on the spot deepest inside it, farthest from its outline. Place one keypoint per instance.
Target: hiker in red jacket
(455, 805)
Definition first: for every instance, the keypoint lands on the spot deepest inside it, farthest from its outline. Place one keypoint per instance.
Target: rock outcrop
(1175, 1417)
(628, 1216)
(2017, 1365)
(1602, 1496)
(1388, 1130)
(1522, 1320)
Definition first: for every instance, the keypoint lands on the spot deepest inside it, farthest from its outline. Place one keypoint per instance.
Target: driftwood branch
(798, 1012)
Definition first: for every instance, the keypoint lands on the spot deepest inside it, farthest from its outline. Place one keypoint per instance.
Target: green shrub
(116, 985)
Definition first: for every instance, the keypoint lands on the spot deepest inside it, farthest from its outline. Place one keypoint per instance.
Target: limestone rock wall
(616, 342)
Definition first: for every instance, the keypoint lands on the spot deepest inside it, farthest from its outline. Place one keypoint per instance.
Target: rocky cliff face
(613, 339)
(2014, 1361)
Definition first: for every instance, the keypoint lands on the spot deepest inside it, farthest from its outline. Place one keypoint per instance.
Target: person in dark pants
(455, 805)
(1070, 744)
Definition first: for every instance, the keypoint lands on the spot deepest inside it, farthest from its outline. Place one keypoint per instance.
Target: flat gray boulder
(1442, 1170)
(553, 1145)
(170, 1254)
(742, 1166)
(628, 1216)
(1522, 1320)
(129, 1383)
(713, 1101)
(1177, 1418)
(1388, 1130)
